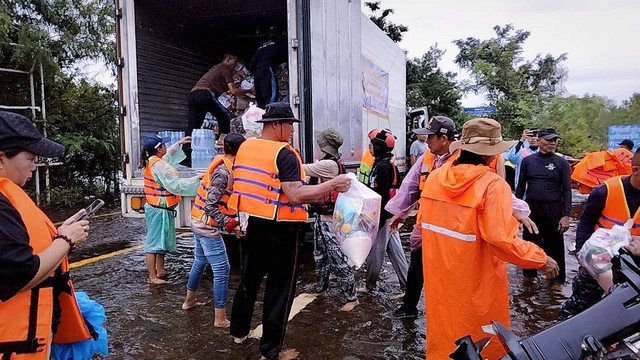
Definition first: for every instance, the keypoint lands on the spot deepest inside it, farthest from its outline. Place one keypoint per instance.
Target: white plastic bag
(355, 218)
(249, 118)
(597, 252)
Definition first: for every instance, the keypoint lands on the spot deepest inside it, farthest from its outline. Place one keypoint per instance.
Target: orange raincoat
(468, 235)
(596, 167)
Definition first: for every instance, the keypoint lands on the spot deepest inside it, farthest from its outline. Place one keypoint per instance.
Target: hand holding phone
(90, 210)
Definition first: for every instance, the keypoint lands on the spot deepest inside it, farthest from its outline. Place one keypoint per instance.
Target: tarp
(596, 167)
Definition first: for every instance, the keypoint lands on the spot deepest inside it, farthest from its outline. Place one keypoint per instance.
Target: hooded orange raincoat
(468, 235)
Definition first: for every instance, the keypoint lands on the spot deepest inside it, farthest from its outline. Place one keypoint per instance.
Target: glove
(231, 224)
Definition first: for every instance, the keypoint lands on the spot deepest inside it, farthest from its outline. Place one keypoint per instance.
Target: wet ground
(145, 321)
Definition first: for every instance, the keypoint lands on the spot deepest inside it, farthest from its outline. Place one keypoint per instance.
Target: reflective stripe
(155, 188)
(254, 169)
(269, 201)
(258, 183)
(448, 232)
(613, 220)
(198, 207)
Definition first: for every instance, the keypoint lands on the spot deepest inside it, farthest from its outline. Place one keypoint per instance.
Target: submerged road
(146, 322)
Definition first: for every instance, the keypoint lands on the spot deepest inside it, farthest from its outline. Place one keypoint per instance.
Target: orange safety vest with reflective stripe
(153, 191)
(257, 190)
(616, 210)
(199, 203)
(26, 318)
(429, 163)
(366, 165)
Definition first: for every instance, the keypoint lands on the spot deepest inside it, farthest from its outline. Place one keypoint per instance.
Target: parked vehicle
(345, 72)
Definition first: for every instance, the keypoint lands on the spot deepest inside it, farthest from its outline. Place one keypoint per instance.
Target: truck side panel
(383, 53)
(336, 73)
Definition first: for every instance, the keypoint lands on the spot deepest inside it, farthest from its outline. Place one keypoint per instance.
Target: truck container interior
(178, 41)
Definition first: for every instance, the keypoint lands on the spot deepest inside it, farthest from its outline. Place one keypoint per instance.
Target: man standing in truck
(263, 65)
(203, 99)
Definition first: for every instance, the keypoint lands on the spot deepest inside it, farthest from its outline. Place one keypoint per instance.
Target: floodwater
(146, 322)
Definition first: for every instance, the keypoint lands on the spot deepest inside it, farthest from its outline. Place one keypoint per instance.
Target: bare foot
(157, 281)
(288, 354)
(191, 304)
(222, 324)
(350, 305)
(164, 274)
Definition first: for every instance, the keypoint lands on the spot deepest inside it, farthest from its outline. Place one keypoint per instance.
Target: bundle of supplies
(355, 218)
(250, 117)
(597, 252)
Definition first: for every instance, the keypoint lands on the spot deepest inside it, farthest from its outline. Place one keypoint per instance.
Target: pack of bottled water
(173, 136)
(200, 159)
(203, 139)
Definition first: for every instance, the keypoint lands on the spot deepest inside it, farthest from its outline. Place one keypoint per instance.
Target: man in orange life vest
(614, 202)
(36, 295)
(468, 235)
(268, 184)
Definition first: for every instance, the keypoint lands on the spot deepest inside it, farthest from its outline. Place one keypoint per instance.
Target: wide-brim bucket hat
(482, 136)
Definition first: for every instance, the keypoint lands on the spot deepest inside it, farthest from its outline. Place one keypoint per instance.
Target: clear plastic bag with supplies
(355, 218)
(596, 253)
(249, 121)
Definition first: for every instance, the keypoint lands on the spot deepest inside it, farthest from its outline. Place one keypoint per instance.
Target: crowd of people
(467, 228)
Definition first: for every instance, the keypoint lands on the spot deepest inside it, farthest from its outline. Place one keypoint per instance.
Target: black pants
(266, 88)
(586, 292)
(414, 281)
(547, 216)
(200, 103)
(270, 248)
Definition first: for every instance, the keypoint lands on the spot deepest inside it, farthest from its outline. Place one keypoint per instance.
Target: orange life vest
(616, 210)
(154, 192)
(26, 319)
(257, 189)
(197, 210)
(429, 163)
(625, 156)
(366, 164)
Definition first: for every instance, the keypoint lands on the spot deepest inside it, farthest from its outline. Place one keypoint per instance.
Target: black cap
(548, 133)
(438, 125)
(628, 143)
(278, 111)
(16, 131)
(232, 143)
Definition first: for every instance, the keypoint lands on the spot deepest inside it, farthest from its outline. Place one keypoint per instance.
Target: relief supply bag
(249, 118)
(597, 252)
(355, 218)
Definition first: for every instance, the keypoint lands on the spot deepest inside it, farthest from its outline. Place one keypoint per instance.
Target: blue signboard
(480, 111)
(617, 133)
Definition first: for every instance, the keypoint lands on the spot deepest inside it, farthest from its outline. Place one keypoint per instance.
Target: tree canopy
(380, 18)
(518, 88)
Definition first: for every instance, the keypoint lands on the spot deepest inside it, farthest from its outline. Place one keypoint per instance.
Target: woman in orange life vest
(162, 189)
(384, 180)
(210, 215)
(36, 296)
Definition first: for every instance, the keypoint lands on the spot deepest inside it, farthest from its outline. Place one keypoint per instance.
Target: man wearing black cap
(627, 144)
(268, 185)
(545, 183)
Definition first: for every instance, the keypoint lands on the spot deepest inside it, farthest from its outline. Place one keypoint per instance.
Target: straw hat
(482, 136)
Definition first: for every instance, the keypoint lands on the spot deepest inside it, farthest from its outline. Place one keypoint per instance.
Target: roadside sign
(480, 111)
(617, 133)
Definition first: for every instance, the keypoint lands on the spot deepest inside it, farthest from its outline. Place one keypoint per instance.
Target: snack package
(597, 252)
(249, 118)
(355, 218)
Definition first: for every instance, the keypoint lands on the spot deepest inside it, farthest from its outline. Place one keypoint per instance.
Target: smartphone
(534, 132)
(91, 209)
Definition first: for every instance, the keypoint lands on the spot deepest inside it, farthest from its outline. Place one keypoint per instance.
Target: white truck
(344, 72)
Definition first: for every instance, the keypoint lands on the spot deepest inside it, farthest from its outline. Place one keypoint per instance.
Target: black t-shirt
(18, 264)
(382, 175)
(595, 204)
(546, 178)
(288, 166)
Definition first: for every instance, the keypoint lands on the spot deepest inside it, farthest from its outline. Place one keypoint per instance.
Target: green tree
(380, 18)
(80, 114)
(518, 88)
(428, 85)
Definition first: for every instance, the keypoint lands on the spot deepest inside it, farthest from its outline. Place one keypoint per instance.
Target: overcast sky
(601, 37)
